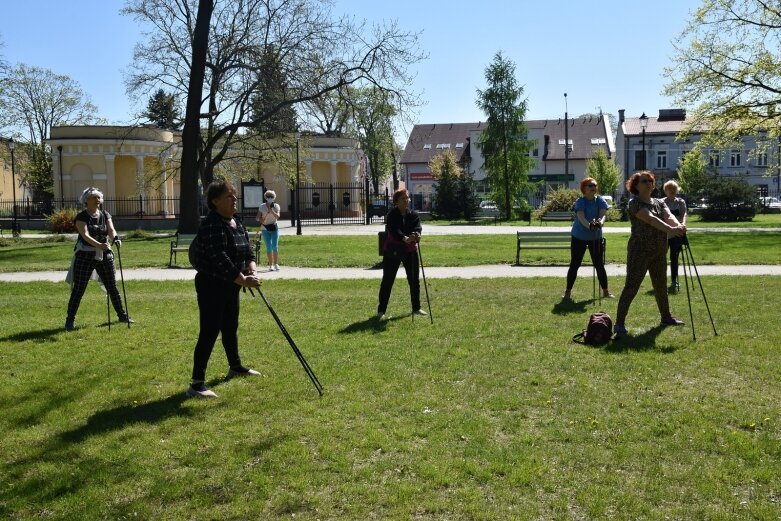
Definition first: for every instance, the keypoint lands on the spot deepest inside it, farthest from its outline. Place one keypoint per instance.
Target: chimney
(621, 116)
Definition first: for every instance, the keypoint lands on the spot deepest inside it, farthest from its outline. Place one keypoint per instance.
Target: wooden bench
(541, 241)
(558, 216)
(181, 242)
(545, 241)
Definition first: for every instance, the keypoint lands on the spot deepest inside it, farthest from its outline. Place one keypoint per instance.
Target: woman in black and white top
(677, 207)
(93, 252)
(268, 213)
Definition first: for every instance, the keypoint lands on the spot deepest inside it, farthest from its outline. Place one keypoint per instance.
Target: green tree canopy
(727, 70)
(606, 172)
(162, 111)
(692, 174)
(504, 142)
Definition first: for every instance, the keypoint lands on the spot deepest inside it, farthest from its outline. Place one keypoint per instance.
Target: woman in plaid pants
(93, 252)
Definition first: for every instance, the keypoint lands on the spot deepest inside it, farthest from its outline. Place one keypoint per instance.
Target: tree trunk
(192, 162)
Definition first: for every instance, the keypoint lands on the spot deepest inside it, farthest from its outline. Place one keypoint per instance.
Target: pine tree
(162, 112)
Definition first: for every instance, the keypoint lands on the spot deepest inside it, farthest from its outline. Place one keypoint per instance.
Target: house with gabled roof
(659, 142)
(583, 135)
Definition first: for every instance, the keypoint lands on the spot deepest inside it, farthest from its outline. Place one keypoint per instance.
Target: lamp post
(298, 188)
(14, 225)
(62, 194)
(643, 124)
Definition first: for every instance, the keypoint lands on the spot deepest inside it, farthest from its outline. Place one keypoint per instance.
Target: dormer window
(459, 145)
(427, 146)
(443, 145)
(598, 141)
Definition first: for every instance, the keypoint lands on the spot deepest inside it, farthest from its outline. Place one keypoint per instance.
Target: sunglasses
(592, 185)
(646, 181)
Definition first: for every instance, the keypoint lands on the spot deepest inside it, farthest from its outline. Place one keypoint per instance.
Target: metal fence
(325, 203)
(137, 208)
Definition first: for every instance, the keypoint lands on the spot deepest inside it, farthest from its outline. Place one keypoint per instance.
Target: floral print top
(645, 238)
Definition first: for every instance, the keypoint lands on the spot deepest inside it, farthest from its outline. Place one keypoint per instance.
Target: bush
(62, 221)
(729, 199)
(559, 200)
(613, 215)
(138, 234)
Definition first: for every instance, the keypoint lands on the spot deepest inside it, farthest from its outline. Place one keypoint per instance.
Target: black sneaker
(127, 320)
(241, 371)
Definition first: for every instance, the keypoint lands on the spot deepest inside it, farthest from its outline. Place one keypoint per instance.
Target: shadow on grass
(372, 324)
(642, 342)
(566, 306)
(49, 334)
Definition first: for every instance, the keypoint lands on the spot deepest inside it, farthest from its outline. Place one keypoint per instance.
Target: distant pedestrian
(647, 248)
(590, 212)
(678, 208)
(268, 214)
(93, 253)
(401, 247)
(226, 263)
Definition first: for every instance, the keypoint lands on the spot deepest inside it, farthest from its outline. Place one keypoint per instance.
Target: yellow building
(132, 163)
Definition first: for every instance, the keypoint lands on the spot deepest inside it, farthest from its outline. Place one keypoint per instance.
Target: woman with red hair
(590, 211)
(646, 250)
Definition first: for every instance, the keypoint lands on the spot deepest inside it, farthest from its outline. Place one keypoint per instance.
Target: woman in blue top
(590, 213)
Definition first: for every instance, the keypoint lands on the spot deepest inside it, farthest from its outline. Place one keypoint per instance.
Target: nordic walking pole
(686, 278)
(122, 277)
(425, 285)
(699, 280)
(299, 355)
(108, 311)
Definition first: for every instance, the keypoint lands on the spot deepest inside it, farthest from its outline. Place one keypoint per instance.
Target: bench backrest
(184, 239)
(544, 236)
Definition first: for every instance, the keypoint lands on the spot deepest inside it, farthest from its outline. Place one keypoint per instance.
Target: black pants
(218, 307)
(83, 264)
(676, 247)
(390, 265)
(577, 251)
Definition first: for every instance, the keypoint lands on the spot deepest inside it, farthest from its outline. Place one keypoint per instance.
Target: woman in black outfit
(402, 226)
(225, 263)
(93, 252)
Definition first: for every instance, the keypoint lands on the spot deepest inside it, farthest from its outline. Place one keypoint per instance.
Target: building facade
(551, 164)
(657, 148)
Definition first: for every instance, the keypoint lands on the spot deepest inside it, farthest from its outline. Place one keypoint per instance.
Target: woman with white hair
(93, 252)
(268, 213)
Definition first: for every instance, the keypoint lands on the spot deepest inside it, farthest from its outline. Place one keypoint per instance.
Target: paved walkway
(468, 272)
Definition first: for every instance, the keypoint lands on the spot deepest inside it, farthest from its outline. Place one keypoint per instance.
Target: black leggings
(390, 265)
(218, 306)
(676, 247)
(577, 251)
(83, 264)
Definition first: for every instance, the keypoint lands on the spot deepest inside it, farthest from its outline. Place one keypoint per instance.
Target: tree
(727, 68)
(729, 199)
(446, 172)
(32, 100)
(272, 91)
(692, 174)
(503, 143)
(372, 115)
(162, 111)
(606, 172)
(314, 51)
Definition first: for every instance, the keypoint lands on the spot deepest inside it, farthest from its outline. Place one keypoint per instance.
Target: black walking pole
(293, 345)
(122, 277)
(425, 284)
(686, 278)
(108, 311)
(699, 280)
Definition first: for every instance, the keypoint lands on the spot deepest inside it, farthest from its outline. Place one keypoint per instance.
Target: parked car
(379, 208)
(771, 202)
(487, 205)
(609, 200)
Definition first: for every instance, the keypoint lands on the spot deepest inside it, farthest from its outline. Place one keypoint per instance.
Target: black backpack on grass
(598, 331)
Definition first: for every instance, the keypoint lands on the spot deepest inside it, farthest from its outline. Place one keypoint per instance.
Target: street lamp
(643, 124)
(14, 225)
(62, 193)
(298, 188)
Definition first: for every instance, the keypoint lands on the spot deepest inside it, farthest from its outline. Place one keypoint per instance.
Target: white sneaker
(420, 312)
(201, 392)
(382, 317)
(276, 267)
(270, 267)
(243, 371)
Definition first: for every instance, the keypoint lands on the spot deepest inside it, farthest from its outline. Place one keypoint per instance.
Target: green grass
(336, 251)
(768, 220)
(491, 413)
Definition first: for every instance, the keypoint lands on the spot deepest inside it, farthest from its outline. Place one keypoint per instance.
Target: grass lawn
(491, 413)
(361, 251)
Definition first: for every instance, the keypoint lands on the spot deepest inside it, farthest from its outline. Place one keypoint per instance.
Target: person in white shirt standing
(268, 213)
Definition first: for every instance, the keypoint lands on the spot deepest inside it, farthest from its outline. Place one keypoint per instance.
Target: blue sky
(607, 54)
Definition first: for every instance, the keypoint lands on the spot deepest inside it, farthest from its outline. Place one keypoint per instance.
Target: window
(536, 152)
(443, 145)
(761, 159)
(598, 141)
(734, 157)
(661, 160)
(459, 145)
(427, 146)
(639, 160)
(715, 158)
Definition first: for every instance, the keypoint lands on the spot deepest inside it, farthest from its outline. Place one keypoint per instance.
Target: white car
(487, 205)
(771, 202)
(609, 200)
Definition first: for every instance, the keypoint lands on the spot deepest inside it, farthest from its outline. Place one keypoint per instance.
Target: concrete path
(468, 272)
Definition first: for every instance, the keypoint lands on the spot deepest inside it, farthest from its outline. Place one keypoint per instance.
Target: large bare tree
(318, 54)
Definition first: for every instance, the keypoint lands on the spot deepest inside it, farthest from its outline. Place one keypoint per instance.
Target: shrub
(138, 234)
(729, 199)
(559, 200)
(62, 221)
